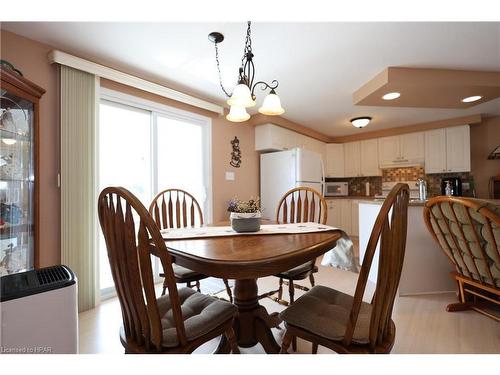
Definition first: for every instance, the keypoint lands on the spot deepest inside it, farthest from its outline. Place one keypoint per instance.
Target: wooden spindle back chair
(368, 327)
(129, 254)
(298, 205)
(131, 238)
(468, 232)
(301, 205)
(176, 208)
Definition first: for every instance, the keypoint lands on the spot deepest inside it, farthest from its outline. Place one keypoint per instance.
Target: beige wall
(484, 138)
(30, 58)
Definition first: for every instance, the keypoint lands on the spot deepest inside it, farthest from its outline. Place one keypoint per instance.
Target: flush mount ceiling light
(360, 122)
(391, 96)
(471, 99)
(243, 95)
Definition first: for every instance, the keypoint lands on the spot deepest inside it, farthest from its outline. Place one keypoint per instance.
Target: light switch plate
(230, 176)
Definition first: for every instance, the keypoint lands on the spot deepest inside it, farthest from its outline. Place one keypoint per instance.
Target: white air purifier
(38, 312)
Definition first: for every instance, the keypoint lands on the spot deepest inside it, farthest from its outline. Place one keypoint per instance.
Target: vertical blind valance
(78, 207)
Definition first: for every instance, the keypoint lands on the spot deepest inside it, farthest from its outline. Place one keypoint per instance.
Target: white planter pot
(245, 222)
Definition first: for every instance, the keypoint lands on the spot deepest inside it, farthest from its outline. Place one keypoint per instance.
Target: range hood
(403, 163)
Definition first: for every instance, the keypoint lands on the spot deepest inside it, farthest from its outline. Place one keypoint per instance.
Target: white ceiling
(318, 65)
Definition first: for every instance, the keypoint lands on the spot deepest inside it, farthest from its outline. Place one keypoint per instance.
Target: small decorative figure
(236, 153)
(8, 262)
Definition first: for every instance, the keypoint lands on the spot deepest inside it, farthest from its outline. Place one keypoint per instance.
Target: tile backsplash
(402, 174)
(434, 183)
(357, 184)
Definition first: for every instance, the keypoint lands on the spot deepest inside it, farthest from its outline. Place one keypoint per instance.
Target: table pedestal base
(253, 324)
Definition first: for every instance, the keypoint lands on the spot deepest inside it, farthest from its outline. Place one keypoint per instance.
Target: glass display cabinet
(19, 111)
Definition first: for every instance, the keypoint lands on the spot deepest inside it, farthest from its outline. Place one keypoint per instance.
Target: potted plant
(245, 215)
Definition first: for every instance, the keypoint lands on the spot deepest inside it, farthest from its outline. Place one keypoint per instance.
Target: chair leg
(311, 279)
(315, 348)
(228, 290)
(280, 290)
(291, 291)
(198, 286)
(285, 344)
(165, 286)
(231, 337)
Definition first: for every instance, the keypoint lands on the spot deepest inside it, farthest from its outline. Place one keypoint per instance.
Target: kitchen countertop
(357, 197)
(413, 202)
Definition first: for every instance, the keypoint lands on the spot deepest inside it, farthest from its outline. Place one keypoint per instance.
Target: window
(146, 147)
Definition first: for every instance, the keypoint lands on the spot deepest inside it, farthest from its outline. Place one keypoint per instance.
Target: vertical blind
(78, 207)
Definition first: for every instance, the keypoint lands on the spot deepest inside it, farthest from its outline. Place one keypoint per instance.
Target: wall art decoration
(236, 153)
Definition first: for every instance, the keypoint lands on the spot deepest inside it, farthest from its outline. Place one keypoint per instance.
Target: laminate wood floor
(422, 323)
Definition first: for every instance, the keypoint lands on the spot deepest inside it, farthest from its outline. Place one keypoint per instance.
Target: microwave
(336, 189)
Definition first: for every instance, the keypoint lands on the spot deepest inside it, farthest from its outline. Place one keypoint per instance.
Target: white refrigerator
(285, 170)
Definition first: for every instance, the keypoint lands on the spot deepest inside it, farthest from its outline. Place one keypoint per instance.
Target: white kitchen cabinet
(316, 146)
(343, 214)
(412, 147)
(334, 213)
(388, 150)
(334, 160)
(435, 151)
(401, 150)
(354, 218)
(270, 137)
(346, 215)
(447, 150)
(458, 149)
(289, 138)
(361, 158)
(369, 158)
(352, 159)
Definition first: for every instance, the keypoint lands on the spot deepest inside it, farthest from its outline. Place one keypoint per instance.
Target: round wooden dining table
(245, 258)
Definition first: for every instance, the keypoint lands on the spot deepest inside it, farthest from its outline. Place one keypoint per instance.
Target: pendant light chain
(248, 45)
(218, 69)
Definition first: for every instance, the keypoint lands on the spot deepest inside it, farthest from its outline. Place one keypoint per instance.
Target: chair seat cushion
(201, 314)
(184, 273)
(299, 270)
(325, 312)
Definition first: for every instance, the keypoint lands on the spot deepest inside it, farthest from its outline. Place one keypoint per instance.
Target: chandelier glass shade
(237, 114)
(272, 105)
(243, 95)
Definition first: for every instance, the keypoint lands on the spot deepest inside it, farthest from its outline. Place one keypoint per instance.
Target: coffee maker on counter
(451, 186)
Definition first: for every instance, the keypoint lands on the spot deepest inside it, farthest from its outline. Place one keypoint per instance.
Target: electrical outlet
(229, 176)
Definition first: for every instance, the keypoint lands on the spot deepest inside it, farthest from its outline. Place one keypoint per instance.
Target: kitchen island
(425, 269)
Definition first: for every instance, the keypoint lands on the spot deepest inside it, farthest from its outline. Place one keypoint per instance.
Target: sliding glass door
(181, 149)
(147, 148)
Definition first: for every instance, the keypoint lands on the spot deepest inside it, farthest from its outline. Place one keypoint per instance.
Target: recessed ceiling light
(470, 99)
(360, 122)
(391, 96)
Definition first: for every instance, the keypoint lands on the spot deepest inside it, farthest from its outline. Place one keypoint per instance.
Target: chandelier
(243, 95)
